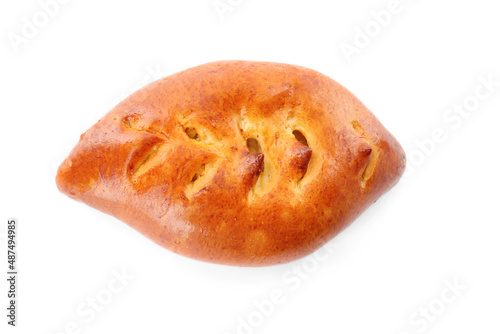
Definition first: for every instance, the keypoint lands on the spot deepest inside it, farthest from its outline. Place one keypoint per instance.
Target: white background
(439, 226)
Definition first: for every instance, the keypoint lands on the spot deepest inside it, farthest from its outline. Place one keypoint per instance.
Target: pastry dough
(236, 162)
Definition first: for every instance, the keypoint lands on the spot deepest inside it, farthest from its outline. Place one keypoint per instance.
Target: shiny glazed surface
(236, 162)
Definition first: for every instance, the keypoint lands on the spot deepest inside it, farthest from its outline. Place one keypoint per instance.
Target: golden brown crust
(236, 162)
